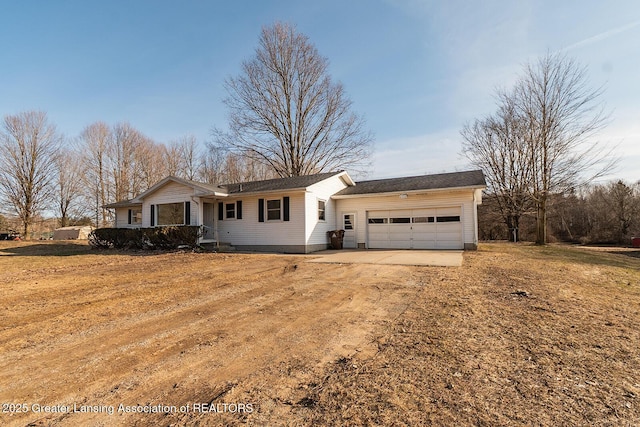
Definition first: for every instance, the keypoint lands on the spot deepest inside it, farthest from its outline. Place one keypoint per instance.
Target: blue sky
(416, 70)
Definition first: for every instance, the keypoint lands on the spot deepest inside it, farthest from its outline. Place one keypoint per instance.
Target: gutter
(399, 192)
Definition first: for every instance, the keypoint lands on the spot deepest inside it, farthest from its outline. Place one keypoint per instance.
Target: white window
(274, 210)
(231, 210)
(321, 210)
(135, 216)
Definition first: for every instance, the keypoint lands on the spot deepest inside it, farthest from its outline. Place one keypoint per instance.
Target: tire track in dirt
(180, 340)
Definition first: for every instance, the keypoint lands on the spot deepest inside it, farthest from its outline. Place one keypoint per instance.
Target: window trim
(352, 224)
(267, 210)
(322, 211)
(232, 210)
(135, 216)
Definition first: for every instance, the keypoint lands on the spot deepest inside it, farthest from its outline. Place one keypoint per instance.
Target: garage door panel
(400, 237)
(378, 214)
(448, 245)
(424, 228)
(448, 211)
(424, 237)
(454, 237)
(397, 244)
(448, 228)
(424, 244)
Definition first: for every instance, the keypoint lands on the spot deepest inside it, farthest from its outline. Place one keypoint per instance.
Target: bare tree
(172, 158)
(190, 155)
(97, 143)
(69, 185)
(286, 112)
(497, 146)
(181, 157)
(4, 224)
(211, 165)
(131, 171)
(541, 140)
(562, 115)
(614, 209)
(28, 147)
(149, 166)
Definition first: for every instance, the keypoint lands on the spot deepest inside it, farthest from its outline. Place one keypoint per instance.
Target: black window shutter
(239, 209)
(153, 216)
(129, 217)
(220, 211)
(285, 208)
(260, 210)
(187, 213)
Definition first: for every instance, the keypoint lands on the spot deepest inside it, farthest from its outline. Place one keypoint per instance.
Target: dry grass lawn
(520, 335)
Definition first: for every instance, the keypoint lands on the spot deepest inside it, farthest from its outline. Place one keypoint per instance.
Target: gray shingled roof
(123, 204)
(423, 182)
(277, 184)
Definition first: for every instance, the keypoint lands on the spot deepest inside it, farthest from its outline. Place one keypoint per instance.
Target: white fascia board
(397, 193)
(258, 193)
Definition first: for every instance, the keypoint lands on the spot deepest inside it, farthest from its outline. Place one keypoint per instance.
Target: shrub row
(145, 238)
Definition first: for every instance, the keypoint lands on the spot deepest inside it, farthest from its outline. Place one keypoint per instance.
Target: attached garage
(439, 228)
(421, 212)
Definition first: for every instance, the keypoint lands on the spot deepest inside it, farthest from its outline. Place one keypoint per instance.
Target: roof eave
(348, 180)
(397, 193)
(121, 205)
(210, 194)
(257, 193)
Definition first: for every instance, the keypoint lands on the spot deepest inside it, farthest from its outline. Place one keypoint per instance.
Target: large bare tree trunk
(28, 147)
(541, 222)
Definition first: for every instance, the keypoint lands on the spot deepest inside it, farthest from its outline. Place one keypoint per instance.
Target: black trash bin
(336, 237)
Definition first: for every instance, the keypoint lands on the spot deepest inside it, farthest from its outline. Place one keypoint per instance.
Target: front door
(349, 227)
(207, 221)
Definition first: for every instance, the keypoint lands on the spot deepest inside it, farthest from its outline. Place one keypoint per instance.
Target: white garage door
(439, 228)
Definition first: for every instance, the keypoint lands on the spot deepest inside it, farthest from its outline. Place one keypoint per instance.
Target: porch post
(201, 217)
(215, 224)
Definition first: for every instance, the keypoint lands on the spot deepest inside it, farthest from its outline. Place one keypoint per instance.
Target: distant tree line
(599, 213)
(42, 170)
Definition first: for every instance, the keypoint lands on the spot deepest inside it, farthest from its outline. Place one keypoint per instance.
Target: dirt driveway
(177, 329)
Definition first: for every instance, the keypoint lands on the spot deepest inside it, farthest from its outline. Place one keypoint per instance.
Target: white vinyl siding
(250, 232)
(122, 219)
(316, 230)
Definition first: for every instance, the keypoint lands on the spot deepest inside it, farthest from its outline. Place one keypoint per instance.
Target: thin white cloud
(602, 36)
